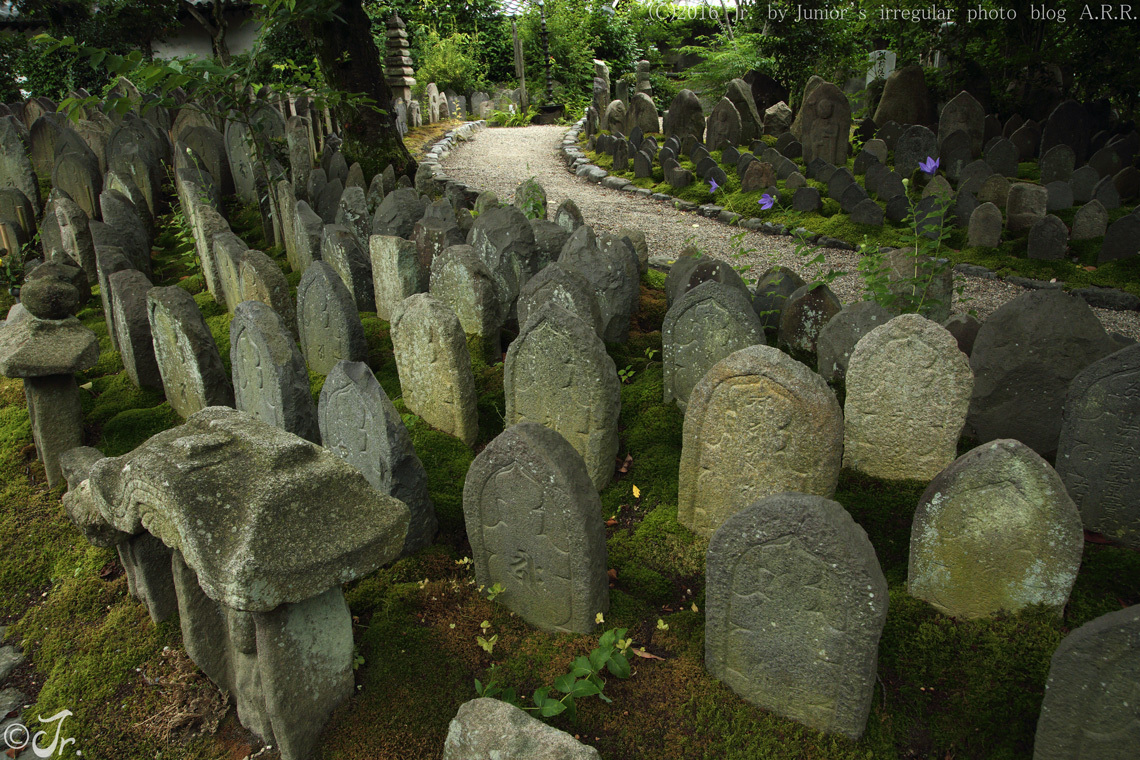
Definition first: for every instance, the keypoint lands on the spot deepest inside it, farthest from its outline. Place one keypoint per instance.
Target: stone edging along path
(578, 164)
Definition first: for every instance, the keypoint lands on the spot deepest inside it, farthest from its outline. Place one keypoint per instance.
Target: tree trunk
(215, 28)
(351, 63)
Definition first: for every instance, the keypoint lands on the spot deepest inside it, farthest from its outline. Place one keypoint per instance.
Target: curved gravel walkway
(500, 159)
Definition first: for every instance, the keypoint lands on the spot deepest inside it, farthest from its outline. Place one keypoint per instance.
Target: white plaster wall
(193, 40)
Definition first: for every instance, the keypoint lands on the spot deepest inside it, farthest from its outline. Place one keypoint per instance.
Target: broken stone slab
(487, 729)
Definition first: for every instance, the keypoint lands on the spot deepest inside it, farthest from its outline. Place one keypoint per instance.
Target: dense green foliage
(1021, 62)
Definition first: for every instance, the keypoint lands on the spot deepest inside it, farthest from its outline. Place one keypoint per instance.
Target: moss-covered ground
(1009, 258)
(946, 688)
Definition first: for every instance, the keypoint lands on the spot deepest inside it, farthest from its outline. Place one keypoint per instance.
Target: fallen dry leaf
(625, 465)
(611, 522)
(645, 655)
(1089, 269)
(612, 572)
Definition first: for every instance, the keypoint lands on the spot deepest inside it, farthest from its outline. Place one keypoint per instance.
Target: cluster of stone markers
(225, 519)
(1080, 163)
(434, 105)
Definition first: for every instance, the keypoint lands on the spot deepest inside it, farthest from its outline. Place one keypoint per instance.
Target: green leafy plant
(532, 203)
(584, 679)
(909, 289)
(626, 374)
(487, 643)
(512, 118)
(451, 62)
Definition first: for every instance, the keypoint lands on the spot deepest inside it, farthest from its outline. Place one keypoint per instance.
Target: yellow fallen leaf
(599, 618)
(695, 607)
(636, 492)
(662, 625)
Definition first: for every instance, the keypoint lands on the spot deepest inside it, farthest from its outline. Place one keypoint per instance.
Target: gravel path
(499, 159)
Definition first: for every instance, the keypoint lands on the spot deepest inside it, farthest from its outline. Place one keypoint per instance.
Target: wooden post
(520, 69)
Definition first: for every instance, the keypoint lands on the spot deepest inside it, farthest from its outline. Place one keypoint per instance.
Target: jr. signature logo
(17, 736)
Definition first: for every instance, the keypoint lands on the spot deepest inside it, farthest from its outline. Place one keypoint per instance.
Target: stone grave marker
(341, 250)
(261, 279)
(463, 282)
(803, 315)
(685, 116)
(434, 366)
(908, 389)
(915, 145)
(985, 226)
(701, 328)
(995, 531)
(966, 113)
(757, 424)
(504, 240)
(1025, 206)
(193, 376)
(308, 228)
(1098, 456)
(271, 381)
(1026, 354)
(359, 424)
(397, 272)
(1049, 239)
(327, 320)
(129, 289)
(612, 268)
(838, 338)
(772, 290)
(398, 213)
(535, 526)
(557, 373)
(795, 595)
(558, 284)
(1089, 709)
(723, 127)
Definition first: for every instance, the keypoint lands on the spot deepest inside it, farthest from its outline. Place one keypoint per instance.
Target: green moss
(885, 510)
(127, 429)
(111, 395)
(446, 460)
(245, 221)
(316, 382)
(219, 326)
(88, 638)
(965, 688)
(654, 279)
(641, 582)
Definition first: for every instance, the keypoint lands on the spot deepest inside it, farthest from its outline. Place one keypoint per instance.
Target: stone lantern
(42, 343)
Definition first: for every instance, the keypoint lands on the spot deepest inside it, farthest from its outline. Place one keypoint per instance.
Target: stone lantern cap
(261, 515)
(31, 347)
